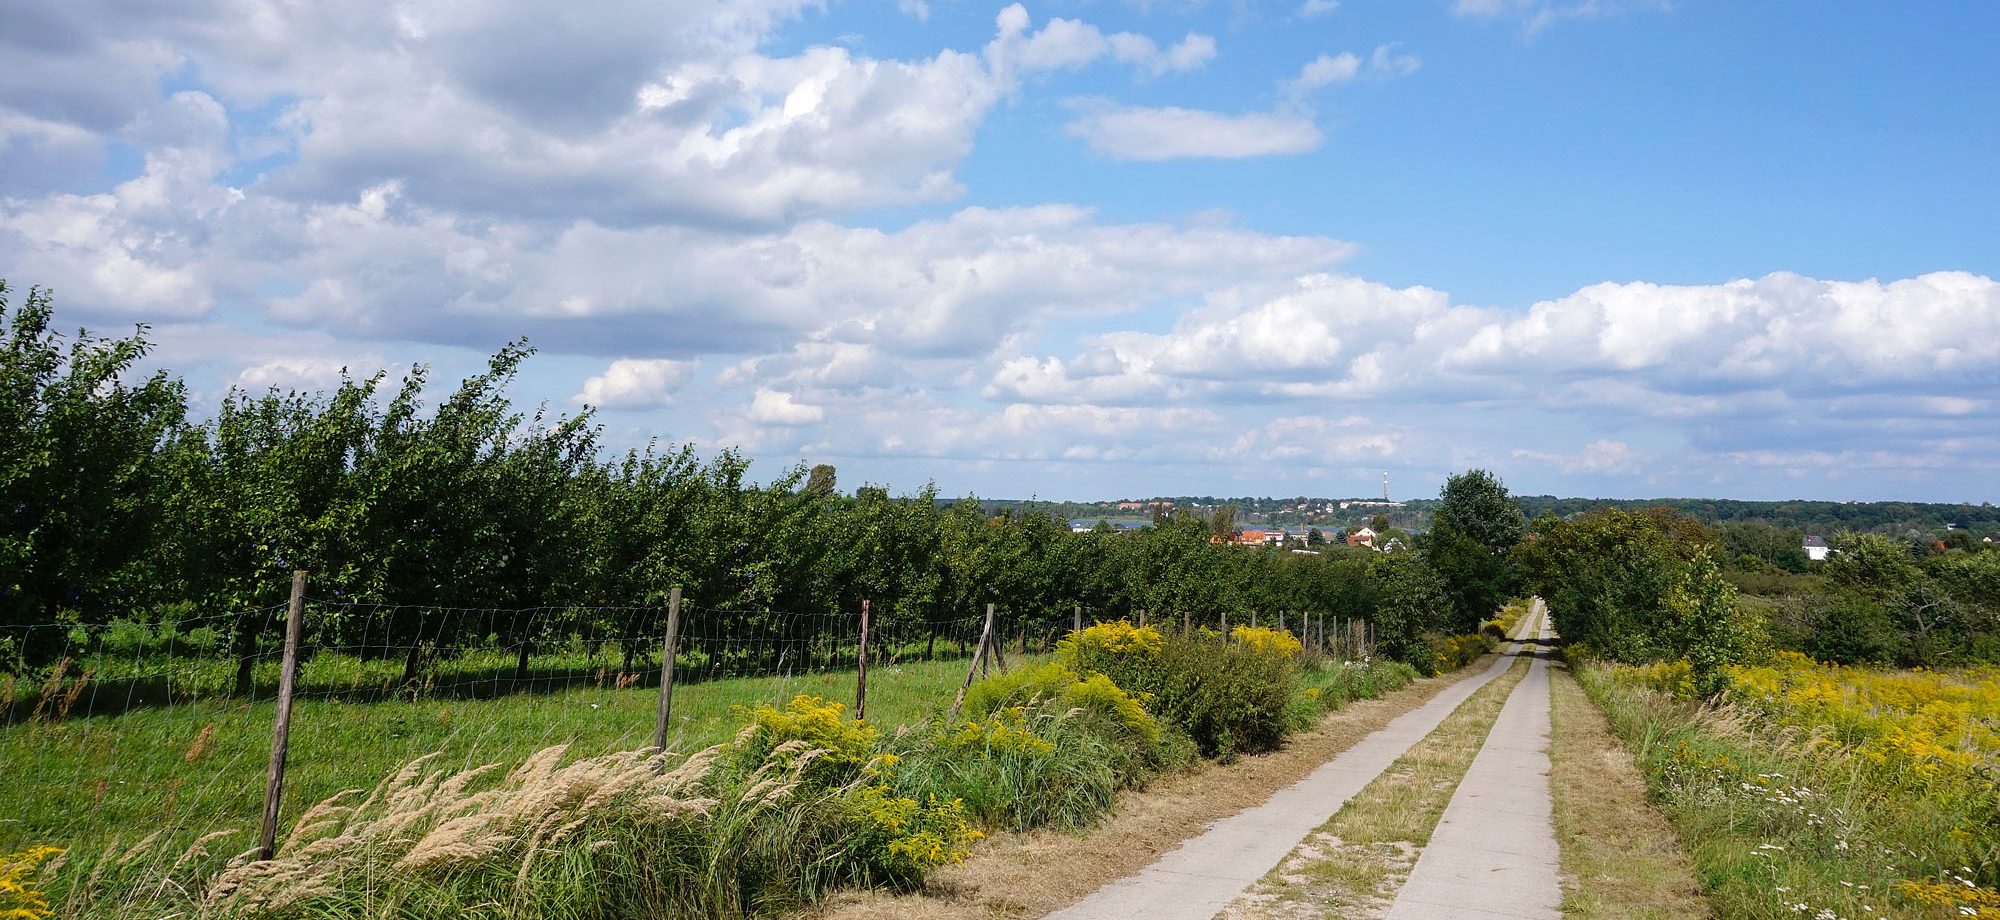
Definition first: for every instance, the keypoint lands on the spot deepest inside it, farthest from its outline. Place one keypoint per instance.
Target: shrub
(1045, 745)
(808, 727)
(880, 838)
(1228, 697)
(1502, 625)
(1022, 767)
(1096, 696)
(1449, 653)
(1274, 641)
(1129, 654)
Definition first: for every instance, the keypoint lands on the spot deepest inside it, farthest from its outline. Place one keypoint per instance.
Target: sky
(1075, 249)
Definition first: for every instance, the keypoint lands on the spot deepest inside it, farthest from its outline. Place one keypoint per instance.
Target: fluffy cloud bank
(1335, 336)
(676, 206)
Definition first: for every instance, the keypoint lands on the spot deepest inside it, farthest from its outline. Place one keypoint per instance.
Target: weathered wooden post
(1077, 619)
(861, 669)
(281, 731)
(669, 648)
(998, 646)
(977, 653)
(1187, 621)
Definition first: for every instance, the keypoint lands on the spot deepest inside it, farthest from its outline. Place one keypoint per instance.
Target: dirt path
(1494, 852)
(1206, 873)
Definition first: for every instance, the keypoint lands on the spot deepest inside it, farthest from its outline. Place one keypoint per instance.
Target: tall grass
(763, 818)
(1786, 821)
(97, 783)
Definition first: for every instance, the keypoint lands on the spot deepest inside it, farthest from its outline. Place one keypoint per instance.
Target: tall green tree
(1409, 602)
(1475, 528)
(79, 491)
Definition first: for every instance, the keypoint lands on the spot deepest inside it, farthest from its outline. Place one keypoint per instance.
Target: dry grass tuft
(427, 822)
(204, 740)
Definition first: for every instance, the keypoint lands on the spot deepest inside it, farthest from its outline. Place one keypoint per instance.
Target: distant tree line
(1902, 519)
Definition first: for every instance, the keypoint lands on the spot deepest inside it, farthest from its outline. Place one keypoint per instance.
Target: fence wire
(110, 732)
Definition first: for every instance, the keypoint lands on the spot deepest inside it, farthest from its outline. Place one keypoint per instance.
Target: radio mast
(1385, 485)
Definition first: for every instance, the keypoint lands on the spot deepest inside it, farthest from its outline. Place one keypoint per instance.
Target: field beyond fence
(131, 730)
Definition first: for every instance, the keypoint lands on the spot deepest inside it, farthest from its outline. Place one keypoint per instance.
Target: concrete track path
(1494, 852)
(1207, 872)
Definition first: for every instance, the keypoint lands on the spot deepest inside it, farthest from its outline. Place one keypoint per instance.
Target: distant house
(1250, 538)
(1395, 545)
(1816, 549)
(1363, 537)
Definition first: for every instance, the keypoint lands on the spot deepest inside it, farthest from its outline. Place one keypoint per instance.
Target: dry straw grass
(425, 821)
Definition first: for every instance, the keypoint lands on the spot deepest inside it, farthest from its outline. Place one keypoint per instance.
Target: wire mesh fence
(115, 731)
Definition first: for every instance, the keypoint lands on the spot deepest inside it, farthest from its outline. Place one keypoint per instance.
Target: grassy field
(1823, 791)
(184, 770)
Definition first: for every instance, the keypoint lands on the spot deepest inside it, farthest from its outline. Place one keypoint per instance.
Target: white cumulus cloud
(631, 383)
(774, 407)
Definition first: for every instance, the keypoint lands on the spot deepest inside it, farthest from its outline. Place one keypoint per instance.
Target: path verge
(1620, 857)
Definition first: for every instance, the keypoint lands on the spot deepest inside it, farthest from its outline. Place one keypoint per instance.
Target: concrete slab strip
(1200, 878)
(1494, 853)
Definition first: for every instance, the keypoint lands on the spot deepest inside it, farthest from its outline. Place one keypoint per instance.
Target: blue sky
(1074, 249)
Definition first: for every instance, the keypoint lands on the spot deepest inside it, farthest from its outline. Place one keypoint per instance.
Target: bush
(1502, 625)
(1449, 653)
(880, 838)
(808, 727)
(1128, 654)
(1273, 641)
(1096, 698)
(1229, 697)
(1021, 767)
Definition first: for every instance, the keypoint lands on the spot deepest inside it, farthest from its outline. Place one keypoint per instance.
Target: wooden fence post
(1077, 619)
(1187, 621)
(669, 648)
(974, 668)
(861, 669)
(998, 645)
(1281, 622)
(1225, 625)
(1253, 619)
(1142, 619)
(281, 731)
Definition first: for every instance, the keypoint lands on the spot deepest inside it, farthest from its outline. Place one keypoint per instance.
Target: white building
(1816, 549)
